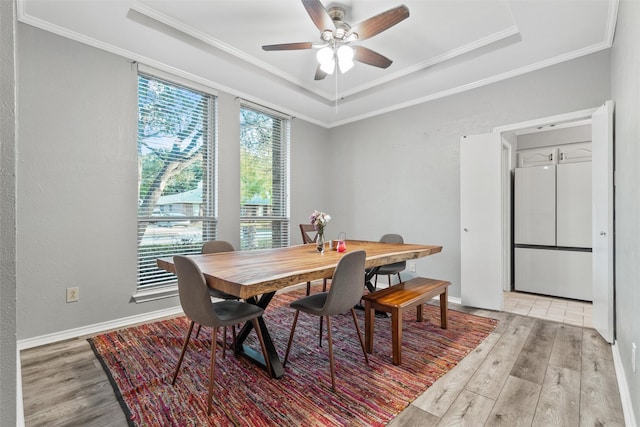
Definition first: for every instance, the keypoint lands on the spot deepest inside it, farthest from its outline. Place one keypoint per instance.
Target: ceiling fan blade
(319, 15)
(288, 46)
(377, 24)
(370, 57)
(320, 75)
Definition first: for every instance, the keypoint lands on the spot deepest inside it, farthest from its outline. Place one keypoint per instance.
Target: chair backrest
(215, 246)
(347, 284)
(194, 292)
(307, 231)
(392, 238)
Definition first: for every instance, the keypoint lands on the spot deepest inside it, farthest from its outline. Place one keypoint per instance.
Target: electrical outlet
(412, 266)
(633, 356)
(73, 294)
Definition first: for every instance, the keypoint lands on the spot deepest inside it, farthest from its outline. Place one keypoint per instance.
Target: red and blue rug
(140, 362)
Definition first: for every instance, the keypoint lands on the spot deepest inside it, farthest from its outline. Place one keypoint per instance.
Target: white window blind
(176, 174)
(264, 178)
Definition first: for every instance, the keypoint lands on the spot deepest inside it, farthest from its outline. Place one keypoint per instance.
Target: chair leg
(198, 331)
(184, 348)
(399, 279)
(212, 367)
(267, 360)
(224, 343)
(324, 289)
(331, 363)
(355, 321)
(293, 329)
(375, 283)
(308, 288)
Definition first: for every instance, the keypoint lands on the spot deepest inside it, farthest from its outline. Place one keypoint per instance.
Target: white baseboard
(454, 300)
(96, 328)
(623, 387)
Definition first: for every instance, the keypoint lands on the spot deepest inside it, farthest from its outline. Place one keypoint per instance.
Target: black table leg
(277, 370)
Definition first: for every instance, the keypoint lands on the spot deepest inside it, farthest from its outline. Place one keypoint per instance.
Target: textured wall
(625, 85)
(8, 325)
(400, 172)
(77, 183)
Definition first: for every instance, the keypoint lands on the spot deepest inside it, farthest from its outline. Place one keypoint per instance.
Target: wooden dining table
(256, 275)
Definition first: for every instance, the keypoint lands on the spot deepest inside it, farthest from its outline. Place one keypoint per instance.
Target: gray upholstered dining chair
(344, 294)
(307, 230)
(211, 247)
(391, 269)
(197, 305)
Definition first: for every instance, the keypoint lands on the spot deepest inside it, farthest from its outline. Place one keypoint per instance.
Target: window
(176, 174)
(264, 179)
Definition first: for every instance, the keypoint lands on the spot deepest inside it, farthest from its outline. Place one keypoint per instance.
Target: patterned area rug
(140, 362)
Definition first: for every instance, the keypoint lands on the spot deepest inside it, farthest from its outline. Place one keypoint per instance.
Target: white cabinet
(553, 155)
(537, 157)
(572, 153)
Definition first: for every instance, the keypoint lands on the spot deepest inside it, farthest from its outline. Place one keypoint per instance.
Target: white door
(603, 227)
(481, 221)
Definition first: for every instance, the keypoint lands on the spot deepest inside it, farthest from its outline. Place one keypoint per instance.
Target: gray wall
(625, 85)
(77, 174)
(400, 172)
(8, 327)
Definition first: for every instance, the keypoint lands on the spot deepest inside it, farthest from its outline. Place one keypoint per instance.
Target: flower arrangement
(319, 220)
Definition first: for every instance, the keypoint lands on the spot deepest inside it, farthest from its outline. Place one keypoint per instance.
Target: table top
(251, 273)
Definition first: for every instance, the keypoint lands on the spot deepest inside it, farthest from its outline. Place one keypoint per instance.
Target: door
(535, 206)
(603, 226)
(481, 221)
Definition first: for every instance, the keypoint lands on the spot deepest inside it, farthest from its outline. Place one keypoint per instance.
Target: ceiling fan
(337, 36)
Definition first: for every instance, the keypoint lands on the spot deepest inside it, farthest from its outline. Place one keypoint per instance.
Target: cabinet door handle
(602, 233)
(551, 157)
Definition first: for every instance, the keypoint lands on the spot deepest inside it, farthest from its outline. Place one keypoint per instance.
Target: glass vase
(320, 242)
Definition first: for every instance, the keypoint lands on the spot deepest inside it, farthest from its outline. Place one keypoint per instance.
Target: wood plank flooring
(528, 372)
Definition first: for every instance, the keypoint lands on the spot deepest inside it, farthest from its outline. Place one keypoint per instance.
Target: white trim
(19, 403)
(469, 47)
(479, 83)
(542, 121)
(612, 18)
(47, 26)
(97, 328)
(455, 300)
(155, 294)
(623, 388)
(173, 78)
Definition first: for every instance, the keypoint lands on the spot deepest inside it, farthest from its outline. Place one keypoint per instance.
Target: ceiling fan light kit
(336, 36)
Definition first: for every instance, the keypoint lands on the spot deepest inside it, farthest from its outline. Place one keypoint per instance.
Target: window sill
(155, 294)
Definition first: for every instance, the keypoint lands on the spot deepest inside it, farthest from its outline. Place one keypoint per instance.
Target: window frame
(163, 284)
(280, 224)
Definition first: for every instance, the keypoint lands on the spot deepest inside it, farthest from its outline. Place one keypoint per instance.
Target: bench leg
(396, 335)
(443, 308)
(419, 312)
(369, 315)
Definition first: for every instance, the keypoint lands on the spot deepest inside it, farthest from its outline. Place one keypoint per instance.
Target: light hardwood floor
(528, 372)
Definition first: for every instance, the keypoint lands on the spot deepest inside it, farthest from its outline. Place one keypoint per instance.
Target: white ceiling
(444, 47)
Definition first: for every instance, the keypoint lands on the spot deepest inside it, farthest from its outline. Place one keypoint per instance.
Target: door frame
(582, 116)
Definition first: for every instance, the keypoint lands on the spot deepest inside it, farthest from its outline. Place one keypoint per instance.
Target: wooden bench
(395, 299)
